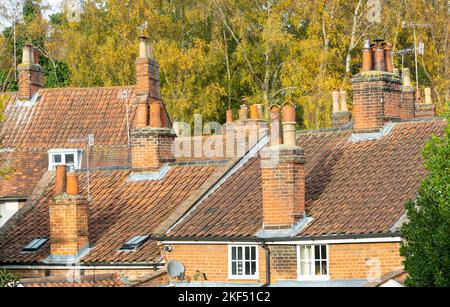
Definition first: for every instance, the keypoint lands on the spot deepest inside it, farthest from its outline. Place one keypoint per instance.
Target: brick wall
(363, 261)
(283, 184)
(346, 261)
(211, 260)
(31, 79)
(283, 262)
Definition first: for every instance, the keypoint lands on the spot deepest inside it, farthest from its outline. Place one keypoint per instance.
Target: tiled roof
(61, 118)
(100, 280)
(119, 210)
(351, 187)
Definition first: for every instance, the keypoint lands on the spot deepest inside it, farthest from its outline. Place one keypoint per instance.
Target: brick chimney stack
(426, 109)
(31, 74)
(408, 97)
(283, 175)
(152, 135)
(340, 115)
(376, 92)
(68, 218)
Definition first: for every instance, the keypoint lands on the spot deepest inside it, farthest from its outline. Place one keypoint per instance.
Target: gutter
(230, 239)
(267, 250)
(83, 267)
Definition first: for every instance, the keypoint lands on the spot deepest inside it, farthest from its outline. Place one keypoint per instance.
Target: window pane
(305, 268)
(324, 268)
(56, 158)
(247, 253)
(70, 159)
(247, 268)
(253, 249)
(240, 269)
(317, 268)
(233, 253)
(239, 253)
(253, 272)
(233, 268)
(317, 251)
(324, 252)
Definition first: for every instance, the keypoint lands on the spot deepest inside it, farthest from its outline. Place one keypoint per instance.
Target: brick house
(98, 187)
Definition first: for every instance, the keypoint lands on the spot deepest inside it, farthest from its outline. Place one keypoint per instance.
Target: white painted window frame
(230, 260)
(313, 277)
(78, 155)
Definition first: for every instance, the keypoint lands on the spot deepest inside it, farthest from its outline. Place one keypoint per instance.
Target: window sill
(314, 278)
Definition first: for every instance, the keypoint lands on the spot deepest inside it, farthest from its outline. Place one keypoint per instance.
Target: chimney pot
(36, 56)
(61, 179)
(343, 95)
(289, 123)
(428, 98)
(388, 57)
(276, 133)
(243, 113)
(155, 115)
(380, 64)
(336, 107)
(143, 47)
(254, 114)
(367, 57)
(27, 54)
(229, 116)
(406, 77)
(72, 184)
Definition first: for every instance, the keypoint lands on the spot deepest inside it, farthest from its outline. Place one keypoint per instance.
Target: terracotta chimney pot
(155, 115)
(229, 116)
(388, 57)
(428, 98)
(72, 184)
(254, 114)
(344, 106)
(61, 179)
(336, 107)
(367, 57)
(276, 132)
(380, 64)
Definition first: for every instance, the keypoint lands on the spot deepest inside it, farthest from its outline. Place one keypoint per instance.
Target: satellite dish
(175, 269)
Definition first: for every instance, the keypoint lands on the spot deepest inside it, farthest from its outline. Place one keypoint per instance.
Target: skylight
(35, 245)
(134, 243)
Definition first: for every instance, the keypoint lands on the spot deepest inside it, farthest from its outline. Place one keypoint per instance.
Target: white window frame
(313, 277)
(230, 260)
(63, 152)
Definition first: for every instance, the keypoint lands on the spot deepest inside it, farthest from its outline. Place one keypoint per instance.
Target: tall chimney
(276, 132)
(152, 135)
(289, 124)
(283, 176)
(31, 74)
(426, 109)
(408, 97)
(376, 95)
(68, 220)
(367, 57)
(340, 115)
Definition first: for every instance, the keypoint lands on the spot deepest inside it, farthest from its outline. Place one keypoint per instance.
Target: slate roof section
(351, 187)
(119, 211)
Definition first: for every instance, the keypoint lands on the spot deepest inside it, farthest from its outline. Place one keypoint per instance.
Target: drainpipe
(267, 250)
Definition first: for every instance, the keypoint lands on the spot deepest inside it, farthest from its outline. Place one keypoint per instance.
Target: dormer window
(69, 157)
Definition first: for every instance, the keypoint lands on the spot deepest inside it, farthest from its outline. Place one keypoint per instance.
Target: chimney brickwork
(152, 135)
(407, 106)
(68, 213)
(426, 109)
(376, 92)
(31, 74)
(283, 176)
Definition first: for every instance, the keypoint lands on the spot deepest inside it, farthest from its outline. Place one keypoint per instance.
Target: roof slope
(90, 281)
(351, 187)
(60, 118)
(119, 210)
